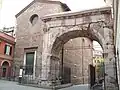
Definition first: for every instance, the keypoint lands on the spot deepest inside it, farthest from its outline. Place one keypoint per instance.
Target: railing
(29, 76)
(58, 75)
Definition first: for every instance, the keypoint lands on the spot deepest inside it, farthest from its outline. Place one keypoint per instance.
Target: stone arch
(55, 41)
(63, 37)
(94, 24)
(5, 61)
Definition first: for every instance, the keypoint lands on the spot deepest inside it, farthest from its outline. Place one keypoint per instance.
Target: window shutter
(5, 49)
(10, 50)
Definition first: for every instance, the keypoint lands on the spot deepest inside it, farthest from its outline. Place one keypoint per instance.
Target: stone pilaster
(110, 78)
(45, 60)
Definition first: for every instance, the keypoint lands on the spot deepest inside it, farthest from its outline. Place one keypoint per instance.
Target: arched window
(5, 63)
(34, 19)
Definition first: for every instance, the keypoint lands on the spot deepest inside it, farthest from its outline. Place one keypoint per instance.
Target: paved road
(77, 87)
(8, 85)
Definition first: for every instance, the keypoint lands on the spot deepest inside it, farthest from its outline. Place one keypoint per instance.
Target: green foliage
(100, 70)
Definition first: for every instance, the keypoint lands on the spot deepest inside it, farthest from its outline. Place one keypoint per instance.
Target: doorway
(5, 67)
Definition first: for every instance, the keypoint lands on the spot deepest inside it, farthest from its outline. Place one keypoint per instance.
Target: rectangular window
(29, 63)
(8, 50)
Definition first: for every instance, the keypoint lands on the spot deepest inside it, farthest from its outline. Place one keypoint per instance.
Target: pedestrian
(20, 75)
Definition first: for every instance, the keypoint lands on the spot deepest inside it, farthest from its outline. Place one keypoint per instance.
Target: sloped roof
(66, 8)
(6, 37)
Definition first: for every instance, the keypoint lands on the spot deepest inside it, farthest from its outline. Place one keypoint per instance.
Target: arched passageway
(59, 29)
(86, 57)
(5, 69)
(75, 57)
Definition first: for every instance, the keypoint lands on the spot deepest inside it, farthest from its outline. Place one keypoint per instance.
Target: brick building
(77, 56)
(7, 44)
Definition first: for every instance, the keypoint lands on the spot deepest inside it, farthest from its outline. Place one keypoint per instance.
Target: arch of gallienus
(95, 24)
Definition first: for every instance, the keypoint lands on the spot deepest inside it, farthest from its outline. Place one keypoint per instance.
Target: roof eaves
(25, 8)
(42, 1)
(66, 8)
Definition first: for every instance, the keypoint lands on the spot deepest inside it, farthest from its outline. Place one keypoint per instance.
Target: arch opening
(5, 69)
(74, 50)
(5, 63)
(65, 37)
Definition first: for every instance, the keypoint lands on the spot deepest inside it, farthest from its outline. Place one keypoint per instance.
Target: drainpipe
(62, 62)
(82, 60)
(115, 10)
(116, 68)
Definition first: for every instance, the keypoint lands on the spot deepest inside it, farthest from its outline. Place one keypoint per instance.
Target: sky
(11, 7)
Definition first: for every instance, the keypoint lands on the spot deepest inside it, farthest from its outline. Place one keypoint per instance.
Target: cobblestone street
(9, 85)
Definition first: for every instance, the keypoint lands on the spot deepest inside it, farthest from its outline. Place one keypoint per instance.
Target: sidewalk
(9, 85)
